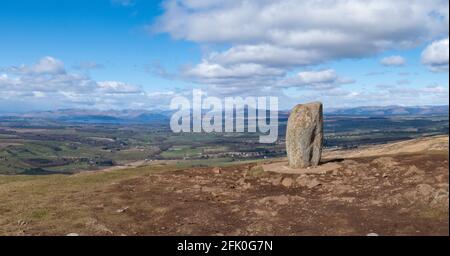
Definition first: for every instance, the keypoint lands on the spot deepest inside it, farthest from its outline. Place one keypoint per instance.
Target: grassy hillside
(397, 189)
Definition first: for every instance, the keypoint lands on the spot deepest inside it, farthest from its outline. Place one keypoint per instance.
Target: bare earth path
(394, 189)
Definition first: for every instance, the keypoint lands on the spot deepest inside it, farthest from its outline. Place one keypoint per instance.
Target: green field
(56, 147)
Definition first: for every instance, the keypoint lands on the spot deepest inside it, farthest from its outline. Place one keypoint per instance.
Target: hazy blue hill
(390, 111)
(163, 116)
(91, 119)
(150, 117)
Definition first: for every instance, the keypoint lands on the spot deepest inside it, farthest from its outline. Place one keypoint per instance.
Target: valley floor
(393, 189)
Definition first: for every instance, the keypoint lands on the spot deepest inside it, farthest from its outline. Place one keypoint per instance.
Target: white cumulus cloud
(395, 61)
(45, 65)
(435, 56)
(322, 79)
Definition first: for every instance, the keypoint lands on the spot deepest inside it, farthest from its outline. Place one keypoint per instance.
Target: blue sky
(139, 54)
(100, 31)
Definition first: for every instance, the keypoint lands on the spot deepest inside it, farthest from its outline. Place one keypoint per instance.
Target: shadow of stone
(336, 160)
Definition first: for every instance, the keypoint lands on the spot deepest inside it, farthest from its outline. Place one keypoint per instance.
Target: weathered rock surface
(304, 135)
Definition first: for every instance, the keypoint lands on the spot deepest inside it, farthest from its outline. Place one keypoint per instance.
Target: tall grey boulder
(304, 135)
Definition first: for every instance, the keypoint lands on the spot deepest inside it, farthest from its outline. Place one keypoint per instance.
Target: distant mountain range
(96, 116)
(145, 116)
(390, 111)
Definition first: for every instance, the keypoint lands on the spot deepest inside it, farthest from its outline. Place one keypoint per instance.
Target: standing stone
(304, 135)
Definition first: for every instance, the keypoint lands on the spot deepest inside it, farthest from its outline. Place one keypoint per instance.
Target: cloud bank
(48, 85)
(261, 43)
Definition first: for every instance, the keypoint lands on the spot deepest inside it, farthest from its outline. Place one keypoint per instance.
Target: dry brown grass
(55, 204)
